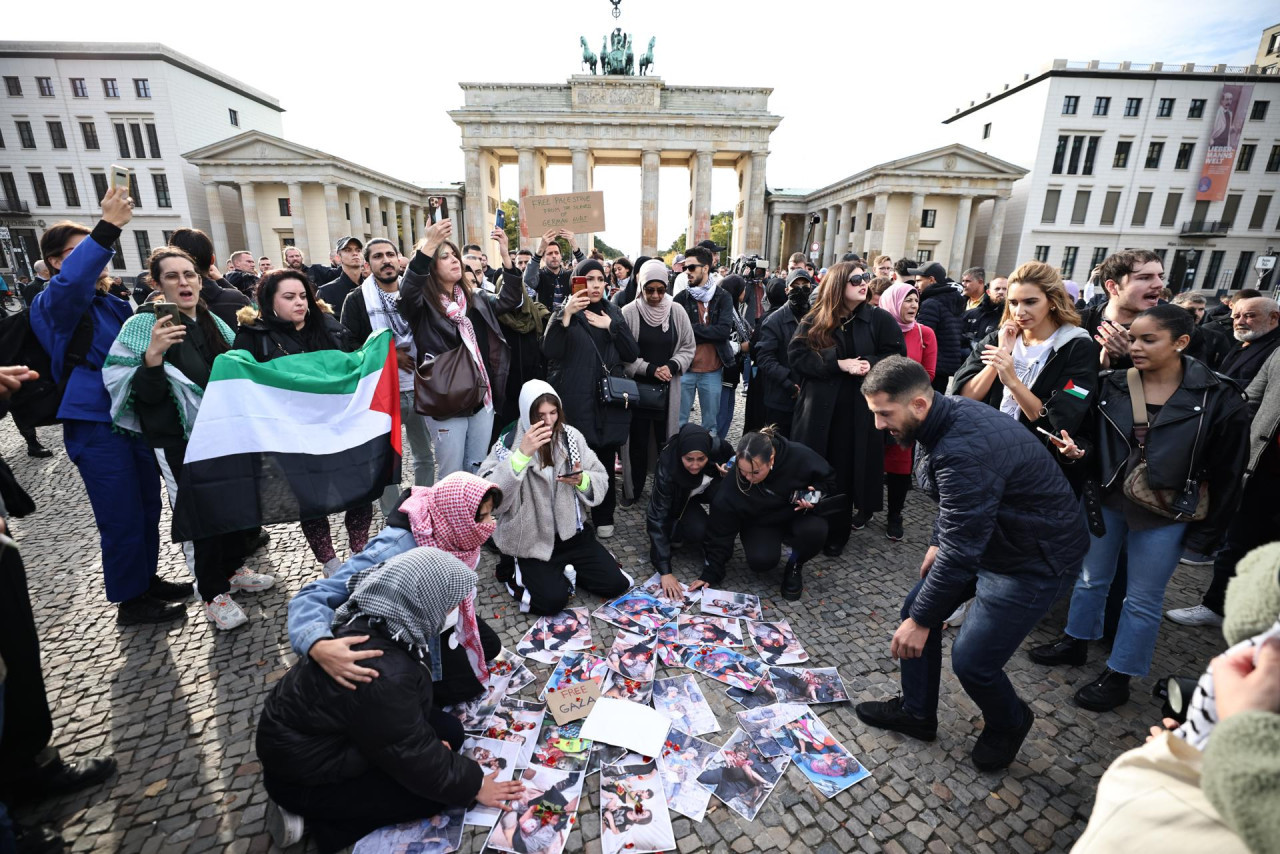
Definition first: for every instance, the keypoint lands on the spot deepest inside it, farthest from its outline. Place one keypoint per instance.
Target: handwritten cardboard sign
(577, 212)
(572, 702)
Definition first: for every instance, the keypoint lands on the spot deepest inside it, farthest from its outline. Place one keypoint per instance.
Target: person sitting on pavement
(344, 763)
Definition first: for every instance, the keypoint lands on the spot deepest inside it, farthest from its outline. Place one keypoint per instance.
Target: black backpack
(36, 403)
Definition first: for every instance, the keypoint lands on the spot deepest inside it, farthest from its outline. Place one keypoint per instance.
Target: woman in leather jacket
(1194, 447)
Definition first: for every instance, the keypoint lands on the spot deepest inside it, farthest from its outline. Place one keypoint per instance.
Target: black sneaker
(63, 778)
(833, 549)
(997, 748)
(145, 609)
(40, 452)
(1105, 693)
(168, 591)
(37, 839)
(792, 581)
(1065, 650)
(860, 520)
(893, 528)
(258, 542)
(889, 714)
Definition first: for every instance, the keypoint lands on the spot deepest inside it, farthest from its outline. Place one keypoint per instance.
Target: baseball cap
(935, 270)
(679, 259)
(799, 273)
(342, 244)
(711, 245)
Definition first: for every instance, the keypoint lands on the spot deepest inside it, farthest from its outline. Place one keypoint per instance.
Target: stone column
(700, 220)
(375, 217)
(650, 161)
(334, 223)
(960, 237)
(252, 228)
(389, 208)
(858, 236)
(356, 221)
(753, 233)
(298, 220)
(581, 183)
(846, 228)
(875, 240)
(774, 253)
(406, 228)
(916, 211)
(829, 239)
(973, 232)
(218, 223)
(419, 223)
(527, 164)
(995, 234)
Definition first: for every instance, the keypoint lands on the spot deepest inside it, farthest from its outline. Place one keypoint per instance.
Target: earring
(1177, 349)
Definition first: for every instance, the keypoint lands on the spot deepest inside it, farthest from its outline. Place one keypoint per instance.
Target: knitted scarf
(457, 312)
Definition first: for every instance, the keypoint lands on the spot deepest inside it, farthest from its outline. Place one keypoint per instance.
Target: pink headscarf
(892, 300)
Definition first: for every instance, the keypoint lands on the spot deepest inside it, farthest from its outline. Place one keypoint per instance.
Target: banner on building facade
(1224, 139)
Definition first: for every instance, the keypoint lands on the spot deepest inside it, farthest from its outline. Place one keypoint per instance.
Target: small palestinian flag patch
(1075, 390)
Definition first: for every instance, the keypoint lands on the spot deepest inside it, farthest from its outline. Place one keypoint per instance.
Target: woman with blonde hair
(836, 344)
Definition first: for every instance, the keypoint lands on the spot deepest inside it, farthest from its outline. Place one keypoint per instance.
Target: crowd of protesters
(1073, 448)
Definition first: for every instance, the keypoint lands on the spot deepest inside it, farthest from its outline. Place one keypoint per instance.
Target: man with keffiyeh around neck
(348, 762)
(710, 311)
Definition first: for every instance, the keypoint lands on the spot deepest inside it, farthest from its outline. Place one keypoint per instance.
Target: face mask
(799, 297)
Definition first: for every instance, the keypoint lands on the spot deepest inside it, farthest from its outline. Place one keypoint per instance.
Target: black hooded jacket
(672, 488)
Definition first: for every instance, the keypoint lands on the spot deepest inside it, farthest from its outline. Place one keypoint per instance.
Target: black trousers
(643, 426)
(28, 724)
(602, 513)
(762, 544)
(458, 682)
(898, 486)
(541, 586)
(940, 382)
(337, 814)
(216, 558)
(1256, 522)
(692, 527)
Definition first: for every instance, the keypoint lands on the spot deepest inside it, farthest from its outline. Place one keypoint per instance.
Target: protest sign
(573, 701)
(576, 212)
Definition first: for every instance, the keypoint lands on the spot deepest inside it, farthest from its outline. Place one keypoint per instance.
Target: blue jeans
(1153, 556)
(461, 443)
(424, 460)
(706, 384)
(1004, 611)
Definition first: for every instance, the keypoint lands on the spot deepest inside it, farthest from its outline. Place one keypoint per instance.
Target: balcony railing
(1205, 228)
(13, 206)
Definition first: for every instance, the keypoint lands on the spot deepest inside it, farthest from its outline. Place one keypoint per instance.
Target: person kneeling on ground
(456, 516)
(690, 470)
(551, 479)
(769, 501)
(348, 762)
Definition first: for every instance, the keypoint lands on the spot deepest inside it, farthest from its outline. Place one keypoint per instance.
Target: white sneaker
(286, 828)
(1196, 615)
(331, 566)
(224, 613)
(957, 616)
(247, 581)
(604, 532)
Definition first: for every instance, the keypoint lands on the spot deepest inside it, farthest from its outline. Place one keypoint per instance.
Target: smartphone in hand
(169, 310)
(500, 219)
(119, 176)
(1057, 440)
(579, 283)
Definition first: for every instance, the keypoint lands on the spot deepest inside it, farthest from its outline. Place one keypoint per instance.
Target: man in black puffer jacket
(1009, 529)
(942, 309)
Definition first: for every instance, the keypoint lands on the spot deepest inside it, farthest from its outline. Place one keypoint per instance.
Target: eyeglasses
(689, 266)
(660, 289)
(859, 278)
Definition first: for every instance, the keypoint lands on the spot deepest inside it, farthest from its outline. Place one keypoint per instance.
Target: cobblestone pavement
(177, 706)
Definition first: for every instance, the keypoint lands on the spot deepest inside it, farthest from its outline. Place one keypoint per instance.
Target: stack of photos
(622, 688)
(632, 656)
(575, 667)
(801, 685)
(776, 643)
(439, 834)
(540, 822)
(516, 721)
(741, 776)
(681, 700)
(724, 665)
(551, 637)
(725, 604)
(653, 587)
(683, 758)
(637, 611)
(766, 726)
(561, 746)
(511, 668)
(668, 646)
(633, 810)
(827, 764)
(763, 695)
(494, 757)
(714, 631)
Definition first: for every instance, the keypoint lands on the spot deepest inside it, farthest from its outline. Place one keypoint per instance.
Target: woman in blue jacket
(119, 472)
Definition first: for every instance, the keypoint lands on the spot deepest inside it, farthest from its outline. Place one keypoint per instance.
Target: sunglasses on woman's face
(660, 289)
(859, 278)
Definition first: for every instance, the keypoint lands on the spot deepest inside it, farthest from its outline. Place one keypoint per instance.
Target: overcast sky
(855, 83)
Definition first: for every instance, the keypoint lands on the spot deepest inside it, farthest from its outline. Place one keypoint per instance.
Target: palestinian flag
(295, 438)
(1076, 391)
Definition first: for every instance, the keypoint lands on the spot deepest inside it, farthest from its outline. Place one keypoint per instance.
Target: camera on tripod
(752, 267)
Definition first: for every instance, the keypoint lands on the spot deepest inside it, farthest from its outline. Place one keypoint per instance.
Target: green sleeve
(1242, 777)
(519, 462)
(585, 483)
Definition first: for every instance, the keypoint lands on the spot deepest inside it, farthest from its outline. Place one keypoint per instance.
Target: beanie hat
(653, 271)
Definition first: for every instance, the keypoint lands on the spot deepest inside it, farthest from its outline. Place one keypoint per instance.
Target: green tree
(722, 232)
(609, 251)
(512, 209)
(677, 245)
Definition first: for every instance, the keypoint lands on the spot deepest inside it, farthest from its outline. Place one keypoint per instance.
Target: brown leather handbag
(448, 385)
(1191, 503)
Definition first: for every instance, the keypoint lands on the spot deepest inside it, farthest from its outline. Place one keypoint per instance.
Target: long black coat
(870, 333)
(574, 369)
(769, 358)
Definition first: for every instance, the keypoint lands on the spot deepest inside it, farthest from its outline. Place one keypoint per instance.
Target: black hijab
(692, 437)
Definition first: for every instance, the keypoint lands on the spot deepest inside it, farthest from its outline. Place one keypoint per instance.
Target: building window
(142, 87)
(69, 190)
(25, 136)
(384, 219)
(138, 149)
(288, 241)
(1185, 150)
(1260, 208)
(1122, 153)
(1258, 112)
(986, 131)
(1196, 110)
(56, 135)
(867, 226)
(1244, 160)
(1132, 107)
(234, 116)
(153, 140)
(117, 260)
(144, 245)
(1101, 106)
(1243, 271)
(109, 87)
(1073, 164)
(99, 184)
(283, 205)
(1069, 105)
(1141, 205)
(1110, 205)
(928, 218)
(1230, 208)
(1154, 152)
(45, 85)
(1, 140)
(1080, 209)
(1215, 267)
(79, 89)
(1165, 110)
(122, 140)
(1069, 254)
(167, 237)
(1042, 254)
(366, 216)
(924, 256)
(1050, 212)
(346, 208)
(90, 133)
(1171, 204)
(1060, 154)
(1099, 255)
(14, 86)
(161, 183)
(10, 187)
(1273, 159)
(133, 190)
(1090, 151)
(1200, 212)
(38, 186)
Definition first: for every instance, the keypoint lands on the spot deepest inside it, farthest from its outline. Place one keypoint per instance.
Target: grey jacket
(1264, 403)
(683, 356)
